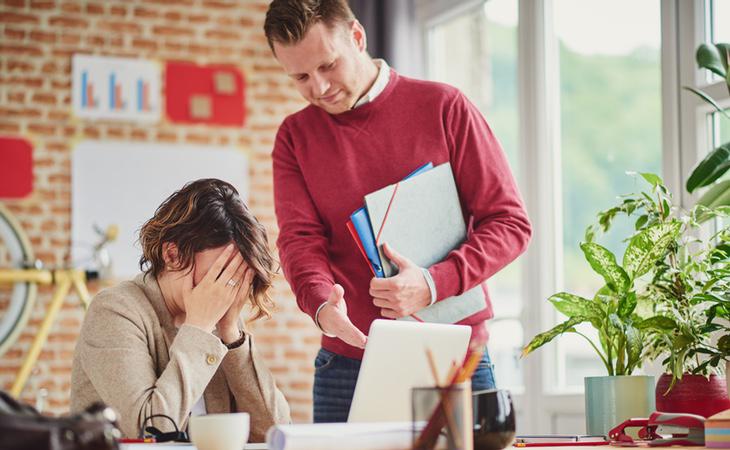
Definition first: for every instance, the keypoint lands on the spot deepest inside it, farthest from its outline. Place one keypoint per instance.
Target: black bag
(22, 427)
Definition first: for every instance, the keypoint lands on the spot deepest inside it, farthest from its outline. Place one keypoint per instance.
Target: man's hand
(333, 319)
(403, 294)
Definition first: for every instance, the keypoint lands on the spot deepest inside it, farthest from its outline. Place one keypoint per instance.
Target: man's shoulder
(427, 89)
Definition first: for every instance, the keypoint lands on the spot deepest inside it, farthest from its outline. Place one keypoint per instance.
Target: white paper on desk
(336, 436)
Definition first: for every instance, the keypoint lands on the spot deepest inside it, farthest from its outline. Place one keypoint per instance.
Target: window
(610, 123)
(476, 51)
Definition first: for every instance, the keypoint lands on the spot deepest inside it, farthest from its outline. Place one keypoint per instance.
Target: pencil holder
(442, 416)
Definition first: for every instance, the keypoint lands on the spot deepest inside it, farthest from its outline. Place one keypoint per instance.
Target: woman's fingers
(218, 264)
(230, 273)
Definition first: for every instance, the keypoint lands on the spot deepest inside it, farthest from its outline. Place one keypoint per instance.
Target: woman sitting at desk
(170, 341)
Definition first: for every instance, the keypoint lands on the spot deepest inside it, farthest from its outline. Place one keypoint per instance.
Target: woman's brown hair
(205, 214)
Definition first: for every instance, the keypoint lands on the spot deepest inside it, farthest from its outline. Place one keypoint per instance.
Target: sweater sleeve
(490, 200)
(254, 389)
(302, 240)
(115, 356)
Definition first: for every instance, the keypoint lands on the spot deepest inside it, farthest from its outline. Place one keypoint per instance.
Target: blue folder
(361, 222)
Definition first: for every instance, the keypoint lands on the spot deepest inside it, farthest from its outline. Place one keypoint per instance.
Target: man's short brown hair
(287, 21)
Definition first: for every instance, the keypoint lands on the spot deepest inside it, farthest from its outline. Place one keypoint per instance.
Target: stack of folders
(421, 218)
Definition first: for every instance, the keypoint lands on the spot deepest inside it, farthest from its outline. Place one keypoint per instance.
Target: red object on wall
(184, 80)
(16, 167)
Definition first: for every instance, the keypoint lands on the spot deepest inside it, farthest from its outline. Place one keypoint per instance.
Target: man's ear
(359, 37)
(170, 255)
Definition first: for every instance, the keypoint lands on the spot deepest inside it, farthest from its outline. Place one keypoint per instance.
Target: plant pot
(612, 399)
(693, 394)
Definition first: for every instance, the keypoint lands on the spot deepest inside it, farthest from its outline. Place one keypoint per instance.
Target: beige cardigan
(130, 356)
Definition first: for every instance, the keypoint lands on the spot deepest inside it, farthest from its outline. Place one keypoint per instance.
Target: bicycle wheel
(16, 303)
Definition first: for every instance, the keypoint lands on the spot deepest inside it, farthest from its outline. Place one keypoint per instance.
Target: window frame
(684, 142)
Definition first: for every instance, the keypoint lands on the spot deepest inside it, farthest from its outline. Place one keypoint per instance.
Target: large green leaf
(633, 349)
(626, 305)
(659, 323)
(723, 344)
(604, 263)
(543, 338)
(715, 164)
(573, 305)
(717, 195)
(712, 58)
(648, 247)
(708, 99)
(651, 178)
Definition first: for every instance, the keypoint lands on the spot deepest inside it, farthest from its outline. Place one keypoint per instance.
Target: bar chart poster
(113, 88)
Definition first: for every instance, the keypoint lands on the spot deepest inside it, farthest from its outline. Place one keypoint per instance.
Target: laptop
(395, 361)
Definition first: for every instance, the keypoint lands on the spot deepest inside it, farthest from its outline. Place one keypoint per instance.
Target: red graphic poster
(211, 94)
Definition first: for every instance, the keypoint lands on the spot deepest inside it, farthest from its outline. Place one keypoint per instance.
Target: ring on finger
(232, 283)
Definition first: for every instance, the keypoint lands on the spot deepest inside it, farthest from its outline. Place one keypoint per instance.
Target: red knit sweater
(325, 164)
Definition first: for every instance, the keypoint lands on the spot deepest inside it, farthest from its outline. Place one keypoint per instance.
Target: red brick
(115, 132)
(118, 10)
(70, 39)
(144, 44)
(59, 115)
(172, 16)
(71, 7)
(15, 3)
(9, 128)
(163, 30)
(198, 18)
(96, 41)
(42, 36)
(224, 35)
(11, 17)
(139, 135)
(92, 132)
(44, 98)
(247, 22)
(95, 8)
(42, 4)
(68, 22)
(25, 50)
(196, 138)
(220, 4)
(120, 27)
(163, 136)
(23, 66)
(14, 33)
(42, 130)
(171, 2)
(145, 13)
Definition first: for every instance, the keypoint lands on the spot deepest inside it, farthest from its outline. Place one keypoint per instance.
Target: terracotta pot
(693, 394)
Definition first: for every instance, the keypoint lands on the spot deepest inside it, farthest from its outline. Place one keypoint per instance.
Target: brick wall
(37, 40)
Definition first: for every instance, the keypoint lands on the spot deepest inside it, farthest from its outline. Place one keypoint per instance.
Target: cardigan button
(211, 360)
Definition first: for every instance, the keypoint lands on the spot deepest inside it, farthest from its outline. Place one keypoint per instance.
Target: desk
(174, 446)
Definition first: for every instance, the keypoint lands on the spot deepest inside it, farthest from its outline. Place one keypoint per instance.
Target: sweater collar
(364, 111)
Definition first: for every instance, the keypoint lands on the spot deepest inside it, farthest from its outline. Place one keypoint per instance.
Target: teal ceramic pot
(611, 400)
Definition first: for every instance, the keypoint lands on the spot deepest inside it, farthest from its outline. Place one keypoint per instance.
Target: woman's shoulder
(126, 298)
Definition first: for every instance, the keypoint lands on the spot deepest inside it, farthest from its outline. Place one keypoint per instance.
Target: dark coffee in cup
(494, 419)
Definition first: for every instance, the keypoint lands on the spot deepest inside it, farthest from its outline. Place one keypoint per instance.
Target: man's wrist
(431, 286)
(316, 320)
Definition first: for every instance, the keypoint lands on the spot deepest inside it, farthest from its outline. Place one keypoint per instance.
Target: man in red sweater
(367, 127)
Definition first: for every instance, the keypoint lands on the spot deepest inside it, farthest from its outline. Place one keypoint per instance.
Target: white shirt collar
(381, 81)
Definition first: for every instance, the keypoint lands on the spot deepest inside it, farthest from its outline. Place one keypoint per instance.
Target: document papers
(338, 436)
(421, 218)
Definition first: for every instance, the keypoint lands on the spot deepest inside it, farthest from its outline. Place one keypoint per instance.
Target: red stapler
(662, 430)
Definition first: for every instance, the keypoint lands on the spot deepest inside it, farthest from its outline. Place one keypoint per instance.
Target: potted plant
(684, 284)
(620, 314)
(716, 59)
(655, 304)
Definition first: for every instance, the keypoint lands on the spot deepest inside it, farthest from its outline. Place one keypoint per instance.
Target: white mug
(220, 431)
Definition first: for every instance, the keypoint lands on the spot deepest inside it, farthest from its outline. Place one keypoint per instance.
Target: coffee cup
(220, 431)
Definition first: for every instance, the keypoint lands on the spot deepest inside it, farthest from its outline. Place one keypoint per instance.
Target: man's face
(327, 66)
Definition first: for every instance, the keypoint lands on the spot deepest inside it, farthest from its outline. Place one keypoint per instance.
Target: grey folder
(424, 224)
